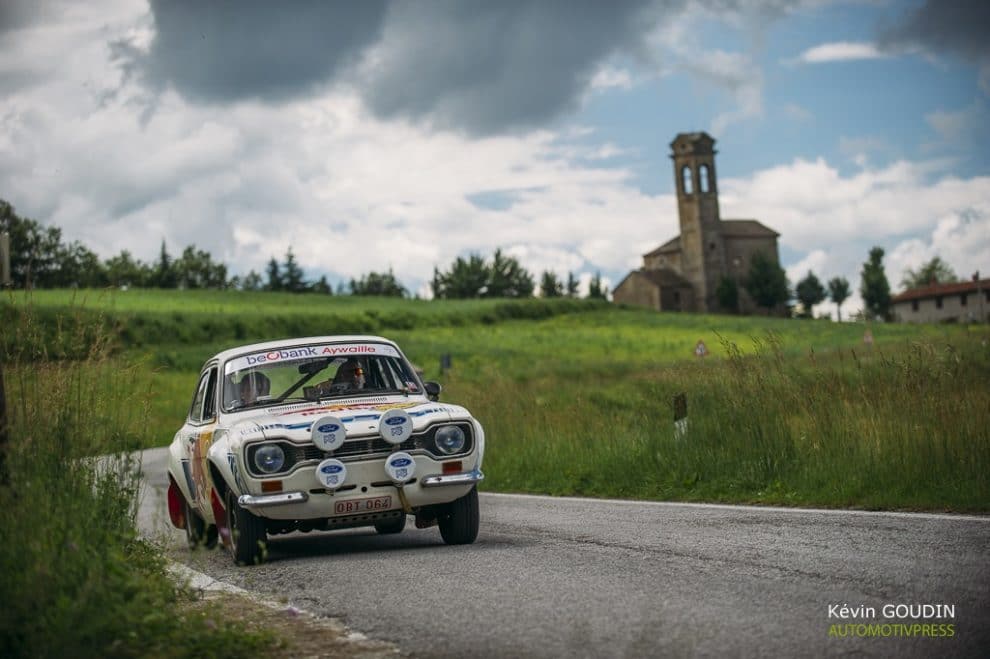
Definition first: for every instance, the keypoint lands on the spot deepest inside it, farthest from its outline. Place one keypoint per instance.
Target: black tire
(197, 533)
(458, 520)
(392, 526)
(248, 539)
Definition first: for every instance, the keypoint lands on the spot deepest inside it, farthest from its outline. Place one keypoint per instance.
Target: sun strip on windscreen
(282, 355)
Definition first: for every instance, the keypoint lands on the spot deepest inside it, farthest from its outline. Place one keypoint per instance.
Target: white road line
(723, 506)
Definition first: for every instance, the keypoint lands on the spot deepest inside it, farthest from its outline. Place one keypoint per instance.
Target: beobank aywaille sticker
(308, 352)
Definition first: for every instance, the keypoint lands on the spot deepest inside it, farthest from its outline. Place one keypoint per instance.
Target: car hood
(359, 416)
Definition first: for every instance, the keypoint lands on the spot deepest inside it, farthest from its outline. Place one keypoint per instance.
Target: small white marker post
(680, 416)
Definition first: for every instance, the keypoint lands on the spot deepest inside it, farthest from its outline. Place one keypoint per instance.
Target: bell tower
(702, 244)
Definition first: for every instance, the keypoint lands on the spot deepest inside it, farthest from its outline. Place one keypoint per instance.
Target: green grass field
(576, 398)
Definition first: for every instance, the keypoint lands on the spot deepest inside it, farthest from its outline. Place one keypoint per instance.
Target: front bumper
(466, 478)
(303, 498)
(256, 501)
(252, 501)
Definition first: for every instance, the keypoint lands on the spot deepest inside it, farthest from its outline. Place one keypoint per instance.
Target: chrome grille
(355, 449)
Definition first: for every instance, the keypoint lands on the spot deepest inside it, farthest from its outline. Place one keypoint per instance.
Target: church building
(683, 273)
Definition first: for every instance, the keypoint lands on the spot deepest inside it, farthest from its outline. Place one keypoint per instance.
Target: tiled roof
(672, 245)
(746, 228)
(664, 277)
(937, 290)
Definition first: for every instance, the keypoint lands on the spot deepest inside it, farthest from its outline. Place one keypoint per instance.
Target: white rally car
(320, 433)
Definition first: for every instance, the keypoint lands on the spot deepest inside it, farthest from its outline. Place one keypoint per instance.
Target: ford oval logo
(401, 462)
(329, 427)
(396, 421)
(332, 469)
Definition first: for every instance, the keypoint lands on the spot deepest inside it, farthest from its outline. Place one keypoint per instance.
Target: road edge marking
(741, 507)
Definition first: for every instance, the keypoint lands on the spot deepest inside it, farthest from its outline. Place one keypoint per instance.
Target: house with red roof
(959, 302)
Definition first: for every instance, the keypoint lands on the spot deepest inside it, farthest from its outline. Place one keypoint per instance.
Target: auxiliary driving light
(328, 433)
(331, 473)
(395, 426)
(400, 467)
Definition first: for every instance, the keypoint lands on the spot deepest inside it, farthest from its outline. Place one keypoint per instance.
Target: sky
(401, 134)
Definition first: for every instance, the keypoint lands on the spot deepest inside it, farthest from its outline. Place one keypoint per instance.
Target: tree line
(39, 258)
(767, 283)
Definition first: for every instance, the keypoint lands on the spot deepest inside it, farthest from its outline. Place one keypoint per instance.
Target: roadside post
(680, 415)
(4, 260)
(3, 427)
(444, 363)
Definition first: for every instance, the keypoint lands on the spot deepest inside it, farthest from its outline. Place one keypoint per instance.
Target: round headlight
(269, 458)
(450, 439)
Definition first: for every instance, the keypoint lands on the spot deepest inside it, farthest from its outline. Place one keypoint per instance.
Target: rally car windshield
(314, 373)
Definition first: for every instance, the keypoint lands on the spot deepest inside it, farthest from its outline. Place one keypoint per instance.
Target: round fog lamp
(269, 458)
(450, 439)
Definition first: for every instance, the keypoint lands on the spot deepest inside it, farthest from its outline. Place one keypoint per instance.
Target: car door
(198, 435)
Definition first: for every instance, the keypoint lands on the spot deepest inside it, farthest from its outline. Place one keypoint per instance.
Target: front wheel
(247, 533)
(458, 520)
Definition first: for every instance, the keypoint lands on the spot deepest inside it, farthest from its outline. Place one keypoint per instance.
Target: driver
(253, 386)
(349, 376)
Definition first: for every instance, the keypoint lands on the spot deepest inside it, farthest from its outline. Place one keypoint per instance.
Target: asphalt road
(556, 577)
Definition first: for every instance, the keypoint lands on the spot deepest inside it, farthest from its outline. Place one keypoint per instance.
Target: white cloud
(909, 209)
(840, 51)
(610, 77)
(677, 46)
(350, 194)
(961, 127)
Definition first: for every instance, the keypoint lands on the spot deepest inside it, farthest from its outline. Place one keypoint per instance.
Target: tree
(251, 282)
(467, 278)
(572, 285)
(595, 289)
(474, 277)
(33, 249)
(507, 278)
(936, 270)
(727, 294)
(292, 274)
(809, 293)
(766, 282)
(274, 276)
(165, 275)
(375, 283)
(125, 270)
(550, 286)
(323, 286)
(196, 269)
(873, 287)
(838, 290)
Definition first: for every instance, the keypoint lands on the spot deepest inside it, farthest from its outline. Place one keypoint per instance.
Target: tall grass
(75, 580)
(905, 427)
(580, 403)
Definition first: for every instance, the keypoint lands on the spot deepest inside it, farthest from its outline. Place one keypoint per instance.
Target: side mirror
(433, 390)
